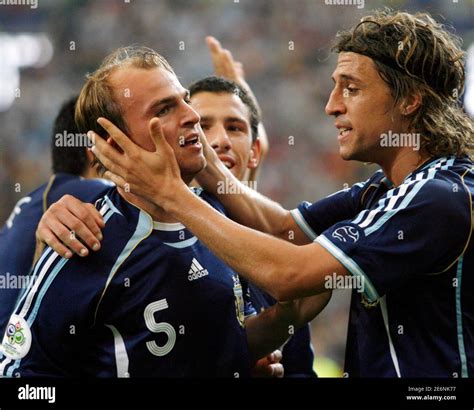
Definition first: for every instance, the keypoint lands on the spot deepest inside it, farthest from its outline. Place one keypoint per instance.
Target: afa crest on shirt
(239, 300)
(367, 304)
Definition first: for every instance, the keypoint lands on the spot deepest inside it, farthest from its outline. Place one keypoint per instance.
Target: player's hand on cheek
(151, 175)
(269, 366)
(67, 221)
(209, 153)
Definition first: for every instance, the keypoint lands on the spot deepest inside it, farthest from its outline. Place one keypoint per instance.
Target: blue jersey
(298, 354)
(153, 302)
(411, 246)
(17, 237)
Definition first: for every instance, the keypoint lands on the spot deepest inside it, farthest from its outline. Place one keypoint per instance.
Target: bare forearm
(268, 331)
(282, 269)
(271, 328)
(244, 204)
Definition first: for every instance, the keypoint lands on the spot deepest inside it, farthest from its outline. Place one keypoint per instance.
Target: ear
(90, 156)
(411, 104)
(255, 153)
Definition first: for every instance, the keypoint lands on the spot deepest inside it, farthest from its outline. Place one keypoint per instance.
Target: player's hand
(153, 175)
(224, 63)
(269, 366)
(67, 220)
(225, 66)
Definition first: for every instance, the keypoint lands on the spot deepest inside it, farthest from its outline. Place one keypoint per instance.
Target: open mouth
(227, 161)
(344, 131)
(190, 141)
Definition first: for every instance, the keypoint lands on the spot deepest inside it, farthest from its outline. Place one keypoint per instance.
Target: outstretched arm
(283, 269)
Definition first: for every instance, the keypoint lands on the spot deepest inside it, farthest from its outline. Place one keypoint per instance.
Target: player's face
(363, 109)
(144, 94)
(225, 121)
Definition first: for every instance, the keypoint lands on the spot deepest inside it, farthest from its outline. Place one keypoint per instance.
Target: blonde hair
(96, 98)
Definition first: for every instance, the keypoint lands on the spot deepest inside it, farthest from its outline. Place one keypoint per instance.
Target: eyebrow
(167, 100)
(347, 77)
(226, 119)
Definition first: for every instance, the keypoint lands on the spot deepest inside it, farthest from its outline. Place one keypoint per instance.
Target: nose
(190, 117)
(335, 105)
(220, 141)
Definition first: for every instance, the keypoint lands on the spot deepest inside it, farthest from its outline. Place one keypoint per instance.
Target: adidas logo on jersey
(196, 271)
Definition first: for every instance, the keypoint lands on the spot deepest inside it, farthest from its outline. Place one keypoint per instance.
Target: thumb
(156, 133)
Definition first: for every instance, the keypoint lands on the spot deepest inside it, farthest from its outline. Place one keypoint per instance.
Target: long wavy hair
(414, 53)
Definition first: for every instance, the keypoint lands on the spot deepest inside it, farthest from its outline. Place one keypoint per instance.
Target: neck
(157, 213)
(401, 163)
(90, 173)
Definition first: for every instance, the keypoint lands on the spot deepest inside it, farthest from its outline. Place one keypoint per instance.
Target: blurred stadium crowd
(284, 46)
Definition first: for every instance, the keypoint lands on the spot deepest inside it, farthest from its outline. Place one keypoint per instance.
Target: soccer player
(230, 120)
(154, 301)
(404, 235)
(72, 174)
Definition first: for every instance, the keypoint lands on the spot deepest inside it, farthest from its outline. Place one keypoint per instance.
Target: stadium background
(283, 44)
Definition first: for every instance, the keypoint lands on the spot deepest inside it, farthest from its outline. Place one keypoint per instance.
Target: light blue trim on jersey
(449, 163)
(382, 203)
(25, 291)
(12, 368)
(462, 349)
(351, 265)
(143, 229)
(406, 201)
(301, 222)
(183, 244)
(431, 163)
(31, 318)
(111, 205)
(393, 353)
(44, 289)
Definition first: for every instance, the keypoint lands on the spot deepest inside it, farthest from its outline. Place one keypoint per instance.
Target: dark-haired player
(72, 175)
(154, 301)
(405, 235)
(230, 121)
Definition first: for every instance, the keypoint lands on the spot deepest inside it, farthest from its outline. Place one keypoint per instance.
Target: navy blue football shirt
(17, 236)
(153, 302)
(412, 247)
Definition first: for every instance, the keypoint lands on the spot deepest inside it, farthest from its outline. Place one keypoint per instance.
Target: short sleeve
(317, 217)
(417, 229)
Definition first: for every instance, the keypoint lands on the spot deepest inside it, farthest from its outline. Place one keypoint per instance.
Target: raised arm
(247, 207)
(225, 66)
